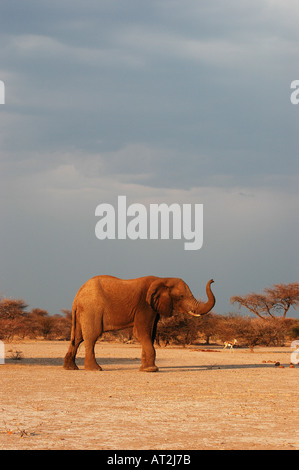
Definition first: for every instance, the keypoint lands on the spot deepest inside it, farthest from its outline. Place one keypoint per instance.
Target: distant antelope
(230, 344)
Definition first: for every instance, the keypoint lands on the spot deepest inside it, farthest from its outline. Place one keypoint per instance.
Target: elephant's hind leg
(69, 360)
(90, 362)
(76, 340)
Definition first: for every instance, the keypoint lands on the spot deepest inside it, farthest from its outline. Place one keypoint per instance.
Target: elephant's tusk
(194, 314)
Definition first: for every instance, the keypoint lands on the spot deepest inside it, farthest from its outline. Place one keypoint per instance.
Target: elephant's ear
(158, 297)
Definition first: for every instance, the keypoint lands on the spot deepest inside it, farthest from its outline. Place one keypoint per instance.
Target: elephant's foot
(148, 369)
(70, 365)
(93, 366)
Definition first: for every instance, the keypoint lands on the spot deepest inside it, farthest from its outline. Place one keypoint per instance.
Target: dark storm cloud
(196, 81)
(201, 81)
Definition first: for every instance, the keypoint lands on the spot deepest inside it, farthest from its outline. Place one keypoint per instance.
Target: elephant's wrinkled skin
(106, 303)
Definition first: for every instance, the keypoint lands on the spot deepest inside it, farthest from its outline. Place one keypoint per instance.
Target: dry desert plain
(199, 400)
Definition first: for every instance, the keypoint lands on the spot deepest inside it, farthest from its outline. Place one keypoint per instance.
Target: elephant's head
(169, 295)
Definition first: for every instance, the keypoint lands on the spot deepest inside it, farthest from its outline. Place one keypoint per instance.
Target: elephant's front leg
(143, 330)
(148, 356)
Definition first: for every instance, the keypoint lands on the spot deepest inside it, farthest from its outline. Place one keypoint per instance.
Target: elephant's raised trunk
(202, 308)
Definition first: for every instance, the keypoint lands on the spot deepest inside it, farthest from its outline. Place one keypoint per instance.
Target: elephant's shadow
(58, 361)
(202, 367)
(122, 362)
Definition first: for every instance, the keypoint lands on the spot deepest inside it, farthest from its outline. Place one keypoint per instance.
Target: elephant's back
(106, 283)
(95, 283)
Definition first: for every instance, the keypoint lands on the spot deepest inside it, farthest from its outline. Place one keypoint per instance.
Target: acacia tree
(283, 296)
(275, 301)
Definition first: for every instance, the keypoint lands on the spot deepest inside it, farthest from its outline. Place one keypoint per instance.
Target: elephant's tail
(74, 320)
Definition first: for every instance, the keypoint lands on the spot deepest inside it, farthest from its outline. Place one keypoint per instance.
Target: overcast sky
(162, 101)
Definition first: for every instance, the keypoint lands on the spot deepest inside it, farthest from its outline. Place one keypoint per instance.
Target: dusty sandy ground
(198, 400)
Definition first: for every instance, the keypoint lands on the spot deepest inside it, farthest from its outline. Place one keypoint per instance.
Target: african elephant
(106, 303)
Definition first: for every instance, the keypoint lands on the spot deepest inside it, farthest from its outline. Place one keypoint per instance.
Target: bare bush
(12, 313)
(253, 332)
